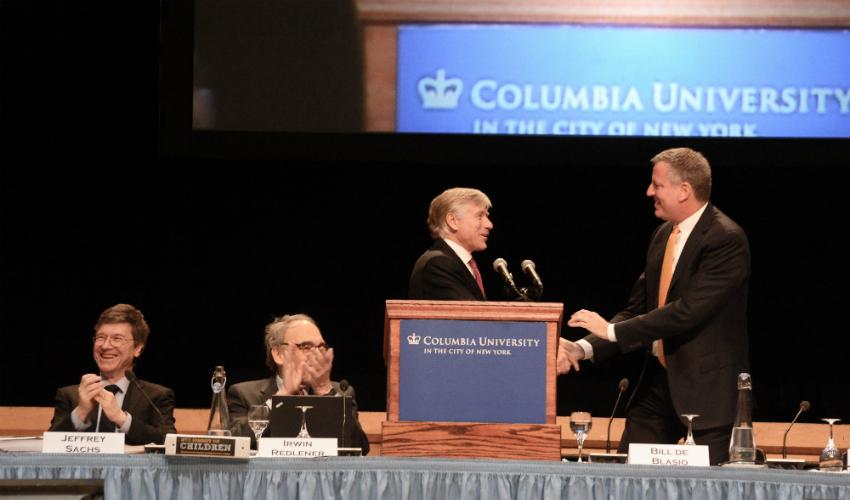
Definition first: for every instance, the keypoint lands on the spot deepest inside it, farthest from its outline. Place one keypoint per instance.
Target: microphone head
(526, 264)
(500, 263)
(130, 375)
(343, 385)
(805, 405)
(624, 384)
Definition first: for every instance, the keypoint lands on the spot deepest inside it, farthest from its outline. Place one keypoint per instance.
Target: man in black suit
(459, 221)
(301, 362)
(689, 306)
(110, 402)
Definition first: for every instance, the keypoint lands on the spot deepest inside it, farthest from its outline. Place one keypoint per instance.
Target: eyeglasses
(308, 346)
(117, 340)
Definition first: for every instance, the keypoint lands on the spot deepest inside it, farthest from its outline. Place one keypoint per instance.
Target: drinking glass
(258, 419)
(690, 439)
(580, 424)
(830, 457)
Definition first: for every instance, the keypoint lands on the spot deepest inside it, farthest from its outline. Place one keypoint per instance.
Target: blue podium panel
(472, 371)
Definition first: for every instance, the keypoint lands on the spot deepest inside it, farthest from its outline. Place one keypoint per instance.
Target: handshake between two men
(570, 353)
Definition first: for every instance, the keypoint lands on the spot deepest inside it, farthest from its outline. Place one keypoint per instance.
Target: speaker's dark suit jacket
(439, 274)
(703, 323)
(146, 426)
(241, 396)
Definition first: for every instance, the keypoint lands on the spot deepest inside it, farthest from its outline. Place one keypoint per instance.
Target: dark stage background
(210, 258)
(212, 241)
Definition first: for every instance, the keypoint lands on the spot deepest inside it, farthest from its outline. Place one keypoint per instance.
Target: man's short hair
(276, 330)
(689, 166)
(125, 313)
(449, 201)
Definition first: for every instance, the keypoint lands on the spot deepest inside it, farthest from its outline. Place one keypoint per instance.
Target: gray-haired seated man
(301, 362)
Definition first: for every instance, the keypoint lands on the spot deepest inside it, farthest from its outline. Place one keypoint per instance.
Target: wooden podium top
(758, 13)
(475, 310)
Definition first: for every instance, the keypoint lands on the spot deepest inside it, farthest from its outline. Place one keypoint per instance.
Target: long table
(805, 441)
(166, 477)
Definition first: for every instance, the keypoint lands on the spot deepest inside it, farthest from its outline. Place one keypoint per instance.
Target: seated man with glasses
(114, 400)
(301, 362)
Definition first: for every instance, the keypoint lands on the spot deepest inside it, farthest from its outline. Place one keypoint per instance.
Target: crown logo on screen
(440, 92)
(413, 339)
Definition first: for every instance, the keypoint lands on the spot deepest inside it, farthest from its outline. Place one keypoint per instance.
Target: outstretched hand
(569, 354)
(590, 321)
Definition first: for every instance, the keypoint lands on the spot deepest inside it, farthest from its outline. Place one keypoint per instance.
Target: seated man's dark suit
(146, 426)
(241, 396)
(439, 274)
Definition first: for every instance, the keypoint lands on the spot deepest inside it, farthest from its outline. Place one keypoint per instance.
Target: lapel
(126, 405)
(269, 390)
(689, 252)
(467, 278)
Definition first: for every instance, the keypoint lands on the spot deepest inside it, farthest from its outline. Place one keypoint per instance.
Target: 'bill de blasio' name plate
(668, 454)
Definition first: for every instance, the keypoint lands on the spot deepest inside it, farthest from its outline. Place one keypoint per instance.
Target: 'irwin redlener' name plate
(668, 454)
(207, 446)
(83, 443)
(297, 447)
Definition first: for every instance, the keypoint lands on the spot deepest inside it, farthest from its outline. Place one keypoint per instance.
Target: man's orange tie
(664, 283)
(477, 275)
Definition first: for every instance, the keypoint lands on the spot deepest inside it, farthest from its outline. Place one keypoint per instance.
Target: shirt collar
(464, 254)
(687, 225)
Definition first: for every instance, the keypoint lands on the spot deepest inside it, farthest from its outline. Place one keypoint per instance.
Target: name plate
(668, 454)
(83, 443)
(297, 447)
(207, 446)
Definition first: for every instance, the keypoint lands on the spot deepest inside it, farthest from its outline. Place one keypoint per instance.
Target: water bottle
(219, 424)
(742, 446)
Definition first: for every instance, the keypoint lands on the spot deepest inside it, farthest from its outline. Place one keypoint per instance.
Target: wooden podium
(505, 435)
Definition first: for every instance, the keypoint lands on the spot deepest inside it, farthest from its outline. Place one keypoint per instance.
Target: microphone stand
(523, 295)
(131, 376)
(803, 407)
(785, 462)
(608, 434)
(611, 420)
(608, 456)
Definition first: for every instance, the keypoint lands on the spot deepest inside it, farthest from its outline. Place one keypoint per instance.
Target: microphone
(500, 265)
(530, 270)
(132, 378)
(804, 406)
(343, 386)
(623, 385)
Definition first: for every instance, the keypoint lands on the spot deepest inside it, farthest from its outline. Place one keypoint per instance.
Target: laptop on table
(324, 417)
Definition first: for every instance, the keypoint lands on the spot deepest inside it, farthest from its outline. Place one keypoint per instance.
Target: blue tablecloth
(352, 478)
